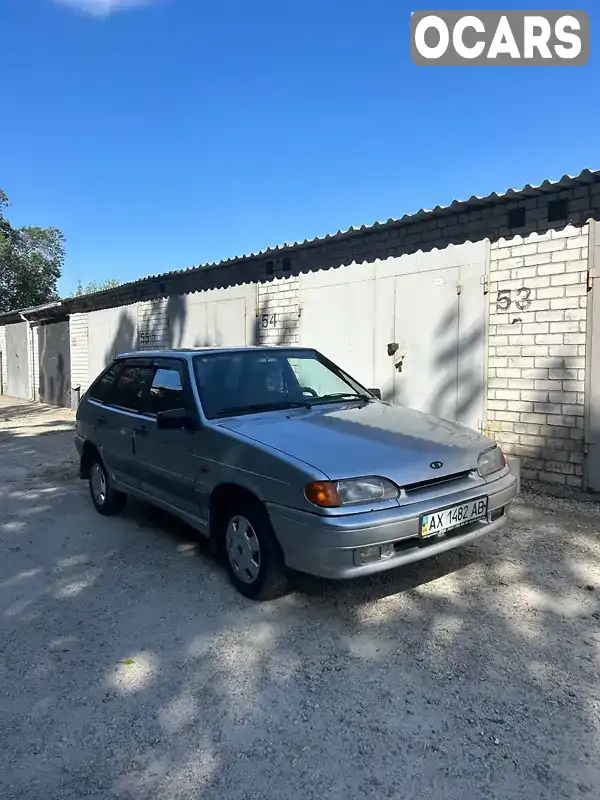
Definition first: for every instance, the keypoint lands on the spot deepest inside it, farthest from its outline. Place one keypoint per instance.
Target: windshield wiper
(253, 407)
(341, 396)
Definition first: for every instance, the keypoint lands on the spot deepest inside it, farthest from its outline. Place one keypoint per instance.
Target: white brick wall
(152, 324)
(78, 335)
(3, 360)
(278, 311)
(536, 366)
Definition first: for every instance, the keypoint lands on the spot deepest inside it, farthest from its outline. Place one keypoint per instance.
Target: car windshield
(252, 381)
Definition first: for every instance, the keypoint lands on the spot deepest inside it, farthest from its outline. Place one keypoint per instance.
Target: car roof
(188, 352)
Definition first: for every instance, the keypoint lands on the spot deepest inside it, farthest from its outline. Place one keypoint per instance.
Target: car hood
(368, 439)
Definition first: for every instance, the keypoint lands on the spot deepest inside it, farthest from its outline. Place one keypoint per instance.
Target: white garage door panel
(353, 273)
(110, 332)
(471, 347)
(215, 318)
(227, 322)
(195, 322)
(451, 256)
(339, 321)
(427, 314)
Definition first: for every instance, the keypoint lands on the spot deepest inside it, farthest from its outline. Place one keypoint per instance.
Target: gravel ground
(129, 668)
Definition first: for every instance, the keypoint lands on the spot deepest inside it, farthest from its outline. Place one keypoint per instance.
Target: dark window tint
(102, 387)
(166, 391)
(132, 385)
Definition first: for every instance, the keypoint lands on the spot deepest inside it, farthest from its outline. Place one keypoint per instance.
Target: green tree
(31, 261)
(111, 283)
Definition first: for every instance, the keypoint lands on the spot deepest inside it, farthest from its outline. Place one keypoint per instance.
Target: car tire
(108, 501)
(251, 551)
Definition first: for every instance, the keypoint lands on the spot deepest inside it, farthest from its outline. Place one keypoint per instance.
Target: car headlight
(333, 494)
(490, 461)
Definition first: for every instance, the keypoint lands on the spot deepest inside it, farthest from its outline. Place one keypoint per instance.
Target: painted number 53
(505, 299)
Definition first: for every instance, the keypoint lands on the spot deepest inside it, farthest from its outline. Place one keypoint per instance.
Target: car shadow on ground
(165, 526)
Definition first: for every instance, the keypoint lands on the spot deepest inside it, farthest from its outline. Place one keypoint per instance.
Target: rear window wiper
(253, 407)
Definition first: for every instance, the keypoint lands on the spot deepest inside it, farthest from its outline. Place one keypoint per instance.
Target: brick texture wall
(537, 341)
(278, 313)
(152, 324)
(78, 336)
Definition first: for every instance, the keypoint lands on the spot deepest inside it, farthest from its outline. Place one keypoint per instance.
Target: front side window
(166, 392)
(253, 381)
(133, 384)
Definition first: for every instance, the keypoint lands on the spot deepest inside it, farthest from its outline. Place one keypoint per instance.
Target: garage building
(480, 312)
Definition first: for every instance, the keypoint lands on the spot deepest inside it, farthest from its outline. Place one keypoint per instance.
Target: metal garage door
(439, 329)
(431, 305)
(339, 312)
(427, 311)
(55, 364)
(17, 358)
(214, 318)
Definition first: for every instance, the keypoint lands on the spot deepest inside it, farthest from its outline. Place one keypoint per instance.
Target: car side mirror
(175, 419)
(376, 392)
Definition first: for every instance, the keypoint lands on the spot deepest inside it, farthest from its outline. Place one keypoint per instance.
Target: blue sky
(185, 131)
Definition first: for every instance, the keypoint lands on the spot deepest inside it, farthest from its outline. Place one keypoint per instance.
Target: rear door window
(132, 387)
(103, 386)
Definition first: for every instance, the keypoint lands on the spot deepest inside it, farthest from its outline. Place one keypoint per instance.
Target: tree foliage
(31, 261)
(90, 288)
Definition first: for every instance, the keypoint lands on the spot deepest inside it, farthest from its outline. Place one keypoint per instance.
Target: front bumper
(325, 546)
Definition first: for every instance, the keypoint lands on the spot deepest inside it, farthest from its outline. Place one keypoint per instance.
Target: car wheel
(107, 500)
(252, 554)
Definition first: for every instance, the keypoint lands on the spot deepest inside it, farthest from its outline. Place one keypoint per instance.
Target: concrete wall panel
(18, 360)
(110, 332)
(3, 361)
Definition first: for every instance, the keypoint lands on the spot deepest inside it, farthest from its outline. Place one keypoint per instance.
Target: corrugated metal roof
(475, 201)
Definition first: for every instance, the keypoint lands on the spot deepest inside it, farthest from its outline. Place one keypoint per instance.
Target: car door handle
(143, 431)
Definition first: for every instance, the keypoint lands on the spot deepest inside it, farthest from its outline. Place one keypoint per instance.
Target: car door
(165, 459)
(116, 417)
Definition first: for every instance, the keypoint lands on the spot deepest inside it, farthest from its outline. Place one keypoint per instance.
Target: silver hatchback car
(285, 461)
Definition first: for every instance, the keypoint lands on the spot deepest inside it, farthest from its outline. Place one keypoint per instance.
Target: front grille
(434, 482)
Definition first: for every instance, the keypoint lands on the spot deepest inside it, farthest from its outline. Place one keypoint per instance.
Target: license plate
(453, 517)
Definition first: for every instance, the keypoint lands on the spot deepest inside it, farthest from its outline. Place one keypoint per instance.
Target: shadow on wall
(54, 364)
(272, 328)
(557, 448)
(169, 330)
(457, 357)
(163, 328)
(373, 688)
(125, 338)
(176, 318)
(459, 388)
